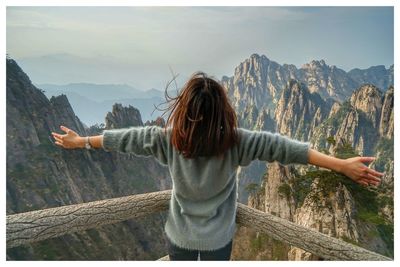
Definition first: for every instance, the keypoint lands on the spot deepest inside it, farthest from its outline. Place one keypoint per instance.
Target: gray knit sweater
(202, 208)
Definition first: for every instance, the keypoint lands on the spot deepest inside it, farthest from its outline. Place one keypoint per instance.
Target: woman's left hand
(69, 140)
(355, 169)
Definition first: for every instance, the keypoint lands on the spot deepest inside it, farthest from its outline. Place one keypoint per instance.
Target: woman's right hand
(69, 140)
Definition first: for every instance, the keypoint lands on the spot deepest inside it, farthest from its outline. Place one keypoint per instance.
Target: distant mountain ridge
(102, 92)
(258, 80)
(91, 101)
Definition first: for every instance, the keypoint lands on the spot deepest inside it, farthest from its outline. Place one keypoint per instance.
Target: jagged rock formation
(298, 112)
(387, 116)
(122, 117)
(259, 81)
(365, 120)
(159, 122)
(42, 175)
(256, 81)
(335, 215)
(368, 99)
(376, 75)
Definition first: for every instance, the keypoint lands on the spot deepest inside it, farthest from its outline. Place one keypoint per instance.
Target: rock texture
(386, 125)
(42, 175)
(298, 112)
(365, 120)
(259, 81)
(335, 215)
(122, 117)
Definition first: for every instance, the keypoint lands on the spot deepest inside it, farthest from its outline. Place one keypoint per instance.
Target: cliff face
(295, 101)
(298, 112)
(365, 122)
(337, 215)
(256, 81)
(42, 175)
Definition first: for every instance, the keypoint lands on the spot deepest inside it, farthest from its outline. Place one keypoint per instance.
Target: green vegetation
(368, 200)
(386, 147)
(386, 232)
(284, 190)
(371, 217)
(264, 246)
(345, 150)
(257, 243)
(46, 251)
(344, 109)
(331, 140)
(251, 188)
(349, 240)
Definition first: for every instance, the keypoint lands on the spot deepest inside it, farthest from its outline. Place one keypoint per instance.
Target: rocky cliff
(122, 117)
(298, 111)
(259, 81)
(42, 175)
(322, 200)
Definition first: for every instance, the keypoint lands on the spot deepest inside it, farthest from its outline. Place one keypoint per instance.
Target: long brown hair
(203, 121)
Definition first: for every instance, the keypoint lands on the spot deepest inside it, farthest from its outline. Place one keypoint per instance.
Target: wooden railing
(33, 226)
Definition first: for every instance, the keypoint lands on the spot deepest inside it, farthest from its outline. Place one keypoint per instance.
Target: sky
(141, 46)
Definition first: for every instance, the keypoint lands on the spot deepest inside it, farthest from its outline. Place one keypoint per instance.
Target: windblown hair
(203, 121)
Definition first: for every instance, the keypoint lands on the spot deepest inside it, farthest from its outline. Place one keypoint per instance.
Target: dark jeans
(181, 254)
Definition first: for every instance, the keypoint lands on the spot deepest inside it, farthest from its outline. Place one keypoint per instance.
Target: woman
(202, 146)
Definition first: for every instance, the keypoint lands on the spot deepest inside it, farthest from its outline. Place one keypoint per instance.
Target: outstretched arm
(141, 141)
(351, 167)
(72, 140)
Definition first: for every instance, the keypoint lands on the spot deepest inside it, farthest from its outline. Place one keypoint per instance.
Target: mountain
(261, 93)
(92, 101)
(258, 80)
(376, 75)
(298, 111)
(318, 198)
(100, 92)
(42, 175)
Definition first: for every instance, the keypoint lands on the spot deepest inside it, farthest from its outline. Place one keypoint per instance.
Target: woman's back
(203, 205)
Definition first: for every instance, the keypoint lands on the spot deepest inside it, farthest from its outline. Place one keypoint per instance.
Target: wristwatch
(87, 143)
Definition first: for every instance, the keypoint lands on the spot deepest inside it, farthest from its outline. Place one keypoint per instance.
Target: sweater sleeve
(270, 147)
(141, 141)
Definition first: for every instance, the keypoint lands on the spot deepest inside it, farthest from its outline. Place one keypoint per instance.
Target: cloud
(212, 39)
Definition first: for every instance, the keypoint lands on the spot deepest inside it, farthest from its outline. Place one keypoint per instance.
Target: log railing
(33, 226)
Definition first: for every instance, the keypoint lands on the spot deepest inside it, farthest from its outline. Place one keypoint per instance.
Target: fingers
(366, 159)
(58, 140)
(59, 144)
(367, 182)
(373, 178)
(375, 173)
(65, 129)
(57, 135)
(370, 178)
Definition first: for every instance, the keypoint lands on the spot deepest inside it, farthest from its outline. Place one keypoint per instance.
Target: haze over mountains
(92, 101)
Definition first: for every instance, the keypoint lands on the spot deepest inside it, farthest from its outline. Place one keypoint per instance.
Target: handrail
(33, 226)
